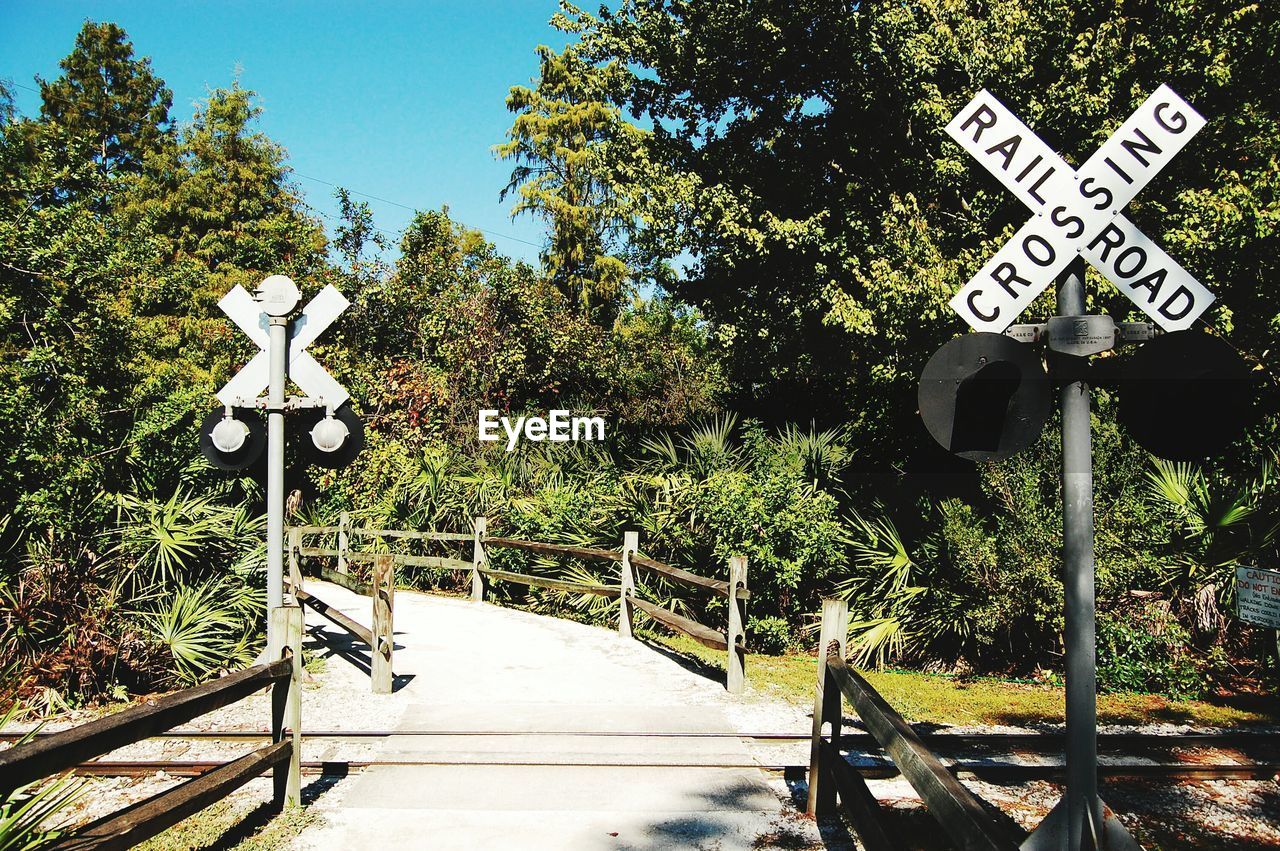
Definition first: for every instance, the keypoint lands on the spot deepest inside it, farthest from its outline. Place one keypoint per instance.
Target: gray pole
(1084, 807)
(279, 327)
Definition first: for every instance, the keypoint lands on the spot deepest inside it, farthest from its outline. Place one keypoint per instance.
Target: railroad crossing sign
(1078, 212)
(250, 317)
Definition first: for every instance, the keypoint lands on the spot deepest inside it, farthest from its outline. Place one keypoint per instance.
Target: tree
(66, 336)
(221, 211)
(798, 156)
(555, 140)
(7, 111)
(222, 197)
(458, 327)
(108, 98)
(355, 234)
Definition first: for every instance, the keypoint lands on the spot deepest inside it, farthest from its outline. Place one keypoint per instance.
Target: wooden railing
(381, 636)
(957, 811)
(732, 640)
(49, 755)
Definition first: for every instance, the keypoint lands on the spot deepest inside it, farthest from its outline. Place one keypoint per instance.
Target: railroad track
(1035, 742)
(867, 760)
(995, 772)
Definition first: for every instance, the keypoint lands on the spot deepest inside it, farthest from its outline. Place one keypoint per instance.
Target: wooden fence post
(295, 557)
(736, 635)
(384, 588)
(478, 560)
(826, 704)
(344, 524)
(286, 703)
(627, 583)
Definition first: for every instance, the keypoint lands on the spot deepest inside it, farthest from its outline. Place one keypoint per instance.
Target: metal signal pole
(1084, 807)
(279, 332)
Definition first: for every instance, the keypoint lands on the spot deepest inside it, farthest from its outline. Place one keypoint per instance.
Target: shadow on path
(326, 642)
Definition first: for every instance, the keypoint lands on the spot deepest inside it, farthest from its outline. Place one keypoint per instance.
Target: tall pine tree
(108, 100)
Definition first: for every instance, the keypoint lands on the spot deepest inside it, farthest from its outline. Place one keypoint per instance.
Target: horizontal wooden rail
(717, 585)
(548, 582)
(385, 533)
(411, 535)
(45, 756)
(555, 549)
(699, 633)
(949, 802)
(145, 819)
(438, 562)
(320, 606)
(863, 808)
(316, 552)
(328, 574)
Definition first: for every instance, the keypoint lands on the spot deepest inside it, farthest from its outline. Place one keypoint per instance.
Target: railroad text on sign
(1078, 212)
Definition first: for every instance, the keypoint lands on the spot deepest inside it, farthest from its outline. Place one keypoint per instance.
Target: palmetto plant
(706, 447)
(904, 602)
(823, 455)
(26, 813)
(165, 539)
(880, 591)
(206, 627)
(1222, 524)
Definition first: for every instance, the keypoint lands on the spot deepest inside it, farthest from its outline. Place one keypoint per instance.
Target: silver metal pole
(279, 327)
(1084, 807)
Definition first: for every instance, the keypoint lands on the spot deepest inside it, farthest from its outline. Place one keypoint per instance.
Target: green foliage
(797, 158)
(66, 336)
(771, 635)
(1146, 650)
(221, 196)
(665, 368)
(207, 627)
(1220, 523)
(108, 99)
(559, 125)
(184, 537)
(26, 812)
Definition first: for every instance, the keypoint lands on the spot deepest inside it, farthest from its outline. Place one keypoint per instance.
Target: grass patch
(940, 699)
(234, 826)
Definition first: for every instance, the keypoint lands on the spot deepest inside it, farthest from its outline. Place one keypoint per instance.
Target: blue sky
(402, 101)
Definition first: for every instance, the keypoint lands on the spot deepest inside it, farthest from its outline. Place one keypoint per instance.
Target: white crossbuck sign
(315, 381)
(1078, 212)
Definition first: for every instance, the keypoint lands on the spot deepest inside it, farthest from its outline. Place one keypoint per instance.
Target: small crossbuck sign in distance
(315, 381)
(1078, 212)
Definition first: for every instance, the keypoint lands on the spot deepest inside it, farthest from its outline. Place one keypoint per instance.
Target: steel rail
(1036, 742)
(996, 772)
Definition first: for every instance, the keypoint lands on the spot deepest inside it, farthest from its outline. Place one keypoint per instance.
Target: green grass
(234, 826)
(941, 699)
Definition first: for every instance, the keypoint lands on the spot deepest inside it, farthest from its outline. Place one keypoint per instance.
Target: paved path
(539, 733)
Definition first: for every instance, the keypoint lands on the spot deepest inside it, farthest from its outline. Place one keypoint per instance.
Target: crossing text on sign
(1078, 212)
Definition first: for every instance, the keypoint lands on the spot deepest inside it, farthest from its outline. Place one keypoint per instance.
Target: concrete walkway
(530, 732)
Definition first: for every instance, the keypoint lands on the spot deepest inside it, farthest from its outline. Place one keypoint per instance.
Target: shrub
(771, 635)
(1146, 650)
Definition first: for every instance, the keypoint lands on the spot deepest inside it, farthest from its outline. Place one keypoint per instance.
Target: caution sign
(1258, 596)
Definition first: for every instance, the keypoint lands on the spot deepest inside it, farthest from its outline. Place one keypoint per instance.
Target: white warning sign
(1258, 596)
